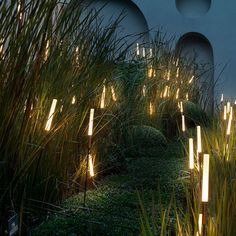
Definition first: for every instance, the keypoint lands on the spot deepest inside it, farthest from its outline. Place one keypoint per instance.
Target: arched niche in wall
(195, 46)
(133, 26)
(193, 8)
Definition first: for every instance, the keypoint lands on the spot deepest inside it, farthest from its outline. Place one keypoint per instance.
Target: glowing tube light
(199, 140)
(113, 94)
(46, 51)
(73, 100)
(191, 79)
(165, 92)
(168, 75)
(177, 73)
(144, 52)
(151, 109)
(51, 115)
(187, 96)
(191, 155)
(181, 107)
(199, 225)
(228, 107)
(150, 72)
(225, 112)
(177, 94)
(102, 105)
(144, 90)
(183, 124)
(137, 50)
(91, 169)
(19, 6)
(205, 178)
(222, 97)
(91, 117)
(229, 122)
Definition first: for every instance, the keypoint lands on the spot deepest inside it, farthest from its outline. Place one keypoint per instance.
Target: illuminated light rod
(137, 50)
(199, 140)
(205, 178)
(225, 113)
(113, 94)
(183, 123)
(73, 100)
(222, 98)
(102, 105)
(191, 154)
(91, 169)
(181, 108)
(51, 115)
(91, 118)
(199, 233)
(151, 108)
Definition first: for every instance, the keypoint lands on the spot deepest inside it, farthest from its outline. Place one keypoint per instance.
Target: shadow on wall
(133, 24)
(193, 8)
(196, 46)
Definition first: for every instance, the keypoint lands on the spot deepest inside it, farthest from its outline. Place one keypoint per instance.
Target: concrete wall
(214, 20)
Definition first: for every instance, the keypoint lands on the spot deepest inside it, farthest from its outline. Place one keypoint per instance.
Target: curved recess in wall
(134, 22)
(197, 46)
(193, 8)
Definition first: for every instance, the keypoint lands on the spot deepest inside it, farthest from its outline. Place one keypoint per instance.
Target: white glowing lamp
(205, 178)
(168, 75)
(102, 105)
(177, 73)
(187, 96)
(222, 97)
(191, 154)
(91, 169)
(199, 139)
(150, 72)
(199, 225)
(144, 90)
(19, 6)
(165, 92)
(183, 124)
(137, 50)
(91, 117)
(144, 52)
(51, 115)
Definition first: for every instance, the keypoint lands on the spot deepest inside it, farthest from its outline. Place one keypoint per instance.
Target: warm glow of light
(177, 73)
(191, 154)
(102, 105)
(230, 121)
(168, 75)
(46, 51)
(1, 47)
(165, 92)
(181, 107)
(191, 80)
(186, 96)
(19, 6)
(73, 100)
(183, 124)
(222, 97)
(77, 55)
(113, 94)
(150, 72)
(144, 90)
(199, 233)
(199, 140)
(228, 107)
(137, 50)
(205, 178)
(51, 115)
(225, 112)
(177, 94)
(151, 109)
(91, 117)
(91, 169)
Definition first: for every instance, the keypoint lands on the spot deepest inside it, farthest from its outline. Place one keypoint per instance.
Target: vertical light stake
(151, 109)
(225, 113)
(113, 94)
(228, 107)
(144, 52)
(102, 104)
(181, 108)
(165, 91)
(222, 98)
(177, 73)
(168, 75)
(91, 169)
(230, 121)
(205, 178)
(51, 115)
(19, 9)
(191, 154)
(144, 90)
(137, 50)
(199, 233)
(183, 124)
(177, 94)
(73, 100)
(199, 140)
(150, 72)
(91, 117)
